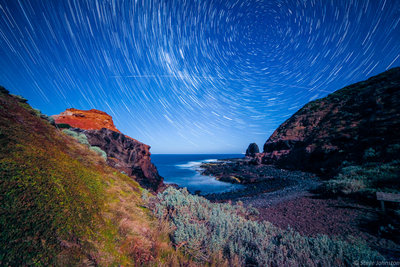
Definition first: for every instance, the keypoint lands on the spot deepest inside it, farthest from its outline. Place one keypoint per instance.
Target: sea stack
(252, 150)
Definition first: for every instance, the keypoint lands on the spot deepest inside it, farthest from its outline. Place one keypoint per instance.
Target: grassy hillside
(62, 205)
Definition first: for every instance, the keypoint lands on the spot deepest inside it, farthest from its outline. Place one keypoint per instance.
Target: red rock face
(127, 155)
(123, 152)
(340, 127)
(86, 119)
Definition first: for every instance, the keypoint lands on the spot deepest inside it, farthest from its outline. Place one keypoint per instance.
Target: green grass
(61, 205)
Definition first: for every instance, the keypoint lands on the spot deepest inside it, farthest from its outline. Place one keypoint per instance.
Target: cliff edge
(123, 152)
(350, 125)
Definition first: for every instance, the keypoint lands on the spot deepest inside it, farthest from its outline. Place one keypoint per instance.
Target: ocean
(181, 169)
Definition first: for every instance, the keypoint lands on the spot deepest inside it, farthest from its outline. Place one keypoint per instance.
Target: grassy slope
(62, 205)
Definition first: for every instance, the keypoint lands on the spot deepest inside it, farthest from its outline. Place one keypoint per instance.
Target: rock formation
(123, 152)
(252, 149)
(344, 126)
(86, 119)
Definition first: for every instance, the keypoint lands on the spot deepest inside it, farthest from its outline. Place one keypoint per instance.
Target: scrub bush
(63, 125)
(71, 133)
(204, 229)
(99, 151)
(80, 137)
(370, 177)
(20, 99)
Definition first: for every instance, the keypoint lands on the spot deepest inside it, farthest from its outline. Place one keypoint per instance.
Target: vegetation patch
(63, 125)
(366, 179)
(61, 205)
(205, 230)
(82, 138)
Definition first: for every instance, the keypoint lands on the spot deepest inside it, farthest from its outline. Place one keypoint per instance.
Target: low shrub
(393, 149)
(71, 133)
(80, 137)
(204, 229)
(344, 186)
(370, 177)
(145, 195)
(37, 112)
(369, 154)
(99, 151)
(20, 99)
(63, 125)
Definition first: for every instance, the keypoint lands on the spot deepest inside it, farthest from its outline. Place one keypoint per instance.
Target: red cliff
(123, 152)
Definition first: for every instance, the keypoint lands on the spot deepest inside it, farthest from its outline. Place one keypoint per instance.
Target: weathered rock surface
(123, 152)
(86, 119)
(344, 126)
(252, 150)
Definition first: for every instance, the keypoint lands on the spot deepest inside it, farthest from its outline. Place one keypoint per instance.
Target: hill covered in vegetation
(122, 151)
(62, 205)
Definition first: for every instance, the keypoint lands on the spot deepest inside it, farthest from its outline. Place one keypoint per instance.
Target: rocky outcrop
(347, 125)
(123, 152)
(252, 150)
(86, 119)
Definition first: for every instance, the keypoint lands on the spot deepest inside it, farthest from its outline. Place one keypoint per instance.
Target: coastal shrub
(369, 154)
(80, 137)
(99, 151)
(20, 98)
(71, 133)
(370, 177)
(37, 112)
(204, 229)
(63, 125)
(393, 149)
(344, 186)
(49, 119)
(145, 195)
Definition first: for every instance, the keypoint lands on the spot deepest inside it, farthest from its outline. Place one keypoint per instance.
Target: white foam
(189, 165)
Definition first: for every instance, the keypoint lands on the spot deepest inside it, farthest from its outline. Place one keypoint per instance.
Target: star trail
(187, 76)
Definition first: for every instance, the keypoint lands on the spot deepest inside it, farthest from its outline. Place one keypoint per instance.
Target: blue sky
(193, 76)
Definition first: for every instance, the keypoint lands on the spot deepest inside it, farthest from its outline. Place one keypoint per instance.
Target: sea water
(183, 170)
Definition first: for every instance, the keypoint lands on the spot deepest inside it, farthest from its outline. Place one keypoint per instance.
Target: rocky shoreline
(257, 180)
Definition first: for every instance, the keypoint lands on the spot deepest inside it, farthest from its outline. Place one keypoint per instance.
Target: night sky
(191, 76)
